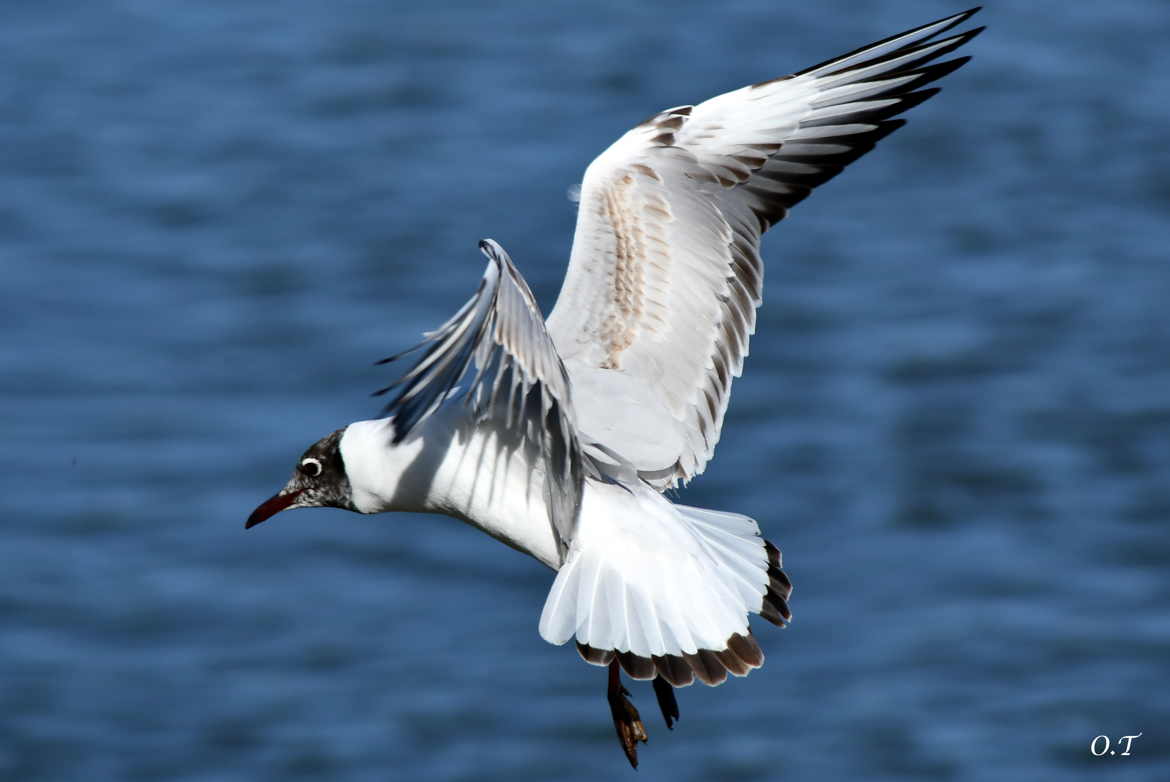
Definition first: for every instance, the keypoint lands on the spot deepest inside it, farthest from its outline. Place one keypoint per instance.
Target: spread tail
(667, 590)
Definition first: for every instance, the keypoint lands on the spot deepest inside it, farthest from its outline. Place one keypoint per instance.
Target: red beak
(271, 507)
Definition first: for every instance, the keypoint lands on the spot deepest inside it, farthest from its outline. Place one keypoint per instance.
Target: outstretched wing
(519, 381)
(665, 275)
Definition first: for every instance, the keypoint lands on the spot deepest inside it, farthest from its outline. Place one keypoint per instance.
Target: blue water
(955, 420)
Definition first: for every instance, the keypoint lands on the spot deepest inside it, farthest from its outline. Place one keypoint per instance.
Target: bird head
(319, 480)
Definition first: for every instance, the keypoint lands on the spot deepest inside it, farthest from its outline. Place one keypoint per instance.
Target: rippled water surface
(955, 420)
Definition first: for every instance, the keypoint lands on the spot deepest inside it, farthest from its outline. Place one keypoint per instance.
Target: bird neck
(389, 476)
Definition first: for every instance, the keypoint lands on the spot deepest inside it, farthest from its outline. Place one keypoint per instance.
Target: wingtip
(949, 22)
(494, 252)
(915, 36)
(491, 248)
(963, 16)
(952, 21)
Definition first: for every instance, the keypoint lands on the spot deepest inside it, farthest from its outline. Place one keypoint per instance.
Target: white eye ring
(311, 467)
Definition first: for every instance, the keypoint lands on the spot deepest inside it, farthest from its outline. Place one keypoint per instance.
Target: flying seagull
(559, 436)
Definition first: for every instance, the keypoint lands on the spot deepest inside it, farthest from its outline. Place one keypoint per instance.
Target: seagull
(560, 436)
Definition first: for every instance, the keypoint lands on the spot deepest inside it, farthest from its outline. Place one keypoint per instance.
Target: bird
(563, 437)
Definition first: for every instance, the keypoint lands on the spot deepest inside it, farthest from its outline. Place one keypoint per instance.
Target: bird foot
(666, 701)
(626, 719)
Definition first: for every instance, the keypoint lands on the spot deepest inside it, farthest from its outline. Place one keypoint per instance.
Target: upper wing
(519, 381)
(665, 276)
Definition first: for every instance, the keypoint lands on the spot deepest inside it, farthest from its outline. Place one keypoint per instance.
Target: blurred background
(955, 420)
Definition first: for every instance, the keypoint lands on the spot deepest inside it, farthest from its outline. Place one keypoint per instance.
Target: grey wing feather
(519, 379)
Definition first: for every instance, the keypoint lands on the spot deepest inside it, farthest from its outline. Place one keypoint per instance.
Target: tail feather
(666, 590)
(674, 669)
(775, 607)
(708, 666)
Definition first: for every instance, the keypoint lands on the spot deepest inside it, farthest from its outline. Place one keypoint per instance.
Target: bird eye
(311, 467)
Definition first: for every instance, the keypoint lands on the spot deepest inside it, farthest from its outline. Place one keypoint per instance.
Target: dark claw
(626, 719)
(666, 701)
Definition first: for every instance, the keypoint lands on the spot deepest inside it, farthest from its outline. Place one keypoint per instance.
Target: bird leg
(626, 720)
(665, 695)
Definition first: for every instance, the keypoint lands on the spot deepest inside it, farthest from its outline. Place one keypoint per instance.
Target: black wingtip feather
(771, 206)
(399, 355)
(864, 115)
(936, 71)
(951, 23)
(930, 49)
